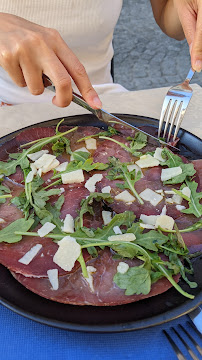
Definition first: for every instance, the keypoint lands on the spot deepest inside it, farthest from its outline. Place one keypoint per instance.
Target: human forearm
(167, 18)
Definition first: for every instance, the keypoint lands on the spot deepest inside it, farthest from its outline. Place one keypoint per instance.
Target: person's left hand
(190, 15)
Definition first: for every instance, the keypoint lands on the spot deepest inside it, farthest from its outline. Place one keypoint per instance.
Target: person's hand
(190, 15)
(28, 50)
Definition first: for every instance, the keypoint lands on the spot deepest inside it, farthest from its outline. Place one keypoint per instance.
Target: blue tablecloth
(24, 339)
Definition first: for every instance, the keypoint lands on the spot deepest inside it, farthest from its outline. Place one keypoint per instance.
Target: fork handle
(190, 75)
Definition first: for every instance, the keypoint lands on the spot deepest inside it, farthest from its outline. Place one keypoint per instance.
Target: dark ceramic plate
(138, 315)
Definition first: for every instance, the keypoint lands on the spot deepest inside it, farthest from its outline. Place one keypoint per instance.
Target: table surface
(22, 338)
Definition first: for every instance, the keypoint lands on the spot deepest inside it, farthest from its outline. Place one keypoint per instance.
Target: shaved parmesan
(68, 226)
(169, 192)
(165, 222)
(122, 267)
(117, 230)
(164, 210)
(160, 191)
(122, 237)
(151, 219)
(146, 161)
(2, 221)
(177, 199)
(29, 256)
(35, 156)
(186, 191)
(180, 207)
(46, 229)
(90, 270)
(30, 176)
(169, 173)
(53, 278)
(158, 156)
(151, 196)
(62, 166)
(135, 167)
(67, 253)
(125, 196)
(147, 226)
(91, 144)
(72, 177)
(106, 189)
(46, 163)
(90, 183)
(107, 217)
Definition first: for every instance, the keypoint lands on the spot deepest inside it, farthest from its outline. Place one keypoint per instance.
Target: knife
(102, 114)
(196, 317)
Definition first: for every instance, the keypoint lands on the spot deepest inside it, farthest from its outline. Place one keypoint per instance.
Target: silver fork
(183, 334)
(175, 105)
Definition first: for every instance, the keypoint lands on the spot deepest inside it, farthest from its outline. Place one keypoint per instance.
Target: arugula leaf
(194, 205)
(4, 194)
(187, 171)
(172, 159)
(119, 170)
(136, 280)
(132, 148)
(138, 142)
(9, 167)
(86, 165)
(175, 161)
(109, 132)
(80, 155)
(62, 145)
(151, 240)
(86, 206)
(8, 233)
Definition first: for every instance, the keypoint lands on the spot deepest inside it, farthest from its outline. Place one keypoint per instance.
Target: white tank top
(86, 26)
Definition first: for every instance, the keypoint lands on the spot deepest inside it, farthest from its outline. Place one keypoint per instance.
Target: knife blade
(102, 114)
(196, 317)
(108, 118)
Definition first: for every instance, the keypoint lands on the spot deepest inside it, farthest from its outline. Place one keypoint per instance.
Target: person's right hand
(28, 50)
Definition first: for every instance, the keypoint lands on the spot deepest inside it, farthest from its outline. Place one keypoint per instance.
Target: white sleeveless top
(86, 26)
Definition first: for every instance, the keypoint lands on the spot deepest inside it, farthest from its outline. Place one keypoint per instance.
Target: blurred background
(144, 56)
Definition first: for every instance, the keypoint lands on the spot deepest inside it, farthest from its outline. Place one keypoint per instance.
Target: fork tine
(178, 352)
(180, 118)
(191, 353)
(163, 114)
(174, 117)
(168, 115)
(192, 339)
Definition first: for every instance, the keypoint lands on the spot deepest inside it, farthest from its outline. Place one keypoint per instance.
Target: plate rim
(106, 328)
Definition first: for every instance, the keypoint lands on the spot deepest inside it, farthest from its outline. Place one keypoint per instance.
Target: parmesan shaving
(90, 183)
(29, 256)
(67, 253)
(53, 278)
(46, 229)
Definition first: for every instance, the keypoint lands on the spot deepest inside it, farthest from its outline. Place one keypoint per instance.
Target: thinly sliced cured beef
(32, 134)
(8, 211)
(74, 289)
(107, 148)
(10, 254)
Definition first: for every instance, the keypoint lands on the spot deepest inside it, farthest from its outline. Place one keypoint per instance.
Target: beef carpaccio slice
(74, 289)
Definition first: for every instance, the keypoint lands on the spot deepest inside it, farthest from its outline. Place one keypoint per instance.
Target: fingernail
(190, 48)
(198, 65)
(97, 103)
